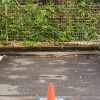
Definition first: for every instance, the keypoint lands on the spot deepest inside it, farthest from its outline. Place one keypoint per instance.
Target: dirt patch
(45, 44)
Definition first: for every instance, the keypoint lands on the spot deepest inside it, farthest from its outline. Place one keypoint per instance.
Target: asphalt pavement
(76, 77)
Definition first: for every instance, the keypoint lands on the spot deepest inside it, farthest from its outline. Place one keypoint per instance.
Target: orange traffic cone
(51, 93)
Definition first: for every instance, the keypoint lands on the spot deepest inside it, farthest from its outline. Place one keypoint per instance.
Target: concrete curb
(66, 48)
(51, 53)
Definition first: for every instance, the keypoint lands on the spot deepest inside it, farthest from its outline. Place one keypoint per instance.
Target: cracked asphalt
(28, 77)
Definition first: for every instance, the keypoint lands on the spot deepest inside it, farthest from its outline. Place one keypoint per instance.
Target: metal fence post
(6, 23)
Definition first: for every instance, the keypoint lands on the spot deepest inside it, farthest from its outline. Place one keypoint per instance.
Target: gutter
(48, 49)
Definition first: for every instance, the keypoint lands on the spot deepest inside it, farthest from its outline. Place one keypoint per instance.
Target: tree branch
(18, 4)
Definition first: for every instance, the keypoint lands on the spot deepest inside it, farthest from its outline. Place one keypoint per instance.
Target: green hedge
(35, 23)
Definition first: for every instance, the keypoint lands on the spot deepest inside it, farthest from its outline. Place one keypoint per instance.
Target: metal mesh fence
(14, 13)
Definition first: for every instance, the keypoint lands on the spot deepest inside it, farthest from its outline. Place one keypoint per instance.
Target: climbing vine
(35, 23)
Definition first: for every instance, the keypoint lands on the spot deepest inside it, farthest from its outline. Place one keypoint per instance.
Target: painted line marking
(1, 58)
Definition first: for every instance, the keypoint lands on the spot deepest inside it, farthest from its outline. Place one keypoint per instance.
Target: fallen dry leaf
(87, 57)
(4, 55)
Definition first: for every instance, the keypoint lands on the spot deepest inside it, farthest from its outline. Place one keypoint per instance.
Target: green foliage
(7, 42)
(33, 23)
(29, 43)
(68, 2)
(41, 20)
(87, 25)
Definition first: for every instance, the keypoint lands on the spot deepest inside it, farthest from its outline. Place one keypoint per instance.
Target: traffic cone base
(51, 94)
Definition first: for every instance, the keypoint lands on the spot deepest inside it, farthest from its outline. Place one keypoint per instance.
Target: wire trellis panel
(14, 13)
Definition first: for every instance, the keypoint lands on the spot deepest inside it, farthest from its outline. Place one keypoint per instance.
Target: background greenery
(36, 23)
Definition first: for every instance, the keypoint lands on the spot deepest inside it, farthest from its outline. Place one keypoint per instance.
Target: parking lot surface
(28, 77)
